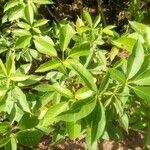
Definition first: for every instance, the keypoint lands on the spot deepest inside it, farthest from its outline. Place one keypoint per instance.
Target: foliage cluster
(61, 79)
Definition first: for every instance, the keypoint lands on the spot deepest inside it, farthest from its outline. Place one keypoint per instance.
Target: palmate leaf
(79, 110)
(135, 60)
(85, 75)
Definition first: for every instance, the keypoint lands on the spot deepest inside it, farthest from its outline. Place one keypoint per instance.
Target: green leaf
(13, 143)
(23, 42)
(53, 112)
(65, 35)
(124, 121)
(19, 77)
(10, 64)
(85, 75)
(79, 110)
(87, 18)
(24, 25)
(4, 141)
(4, 127)
(29, 13)
(43, 1)
(80, 50)
(21, 98)
(49, 65)
(126, 43)
(96, 21)
(10, 4)
(117, 75)
(28, 121)
(44, 99)
(16, 13)
(142, 92)
(98, 122)
(83, 93)
(63, 90)
(73, 130)
(40, 22)
(135, 60)
(3, 68)
(142, 79)
(29, 137)
(43, 46)
(22, 33)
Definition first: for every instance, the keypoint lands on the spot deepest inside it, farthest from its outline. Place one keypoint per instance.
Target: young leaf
(49, 65)
(80, 50)
(65, 35)
(79, 110)
(53, 112)
(85, 75)
(87, 18)
(73, 130)
(43, 46)
(29, 13)
(96, 21)
(135, 60)
(63, 90)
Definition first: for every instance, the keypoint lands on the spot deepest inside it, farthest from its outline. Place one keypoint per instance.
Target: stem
(50, 12)
(100, 10)
(63, 56)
